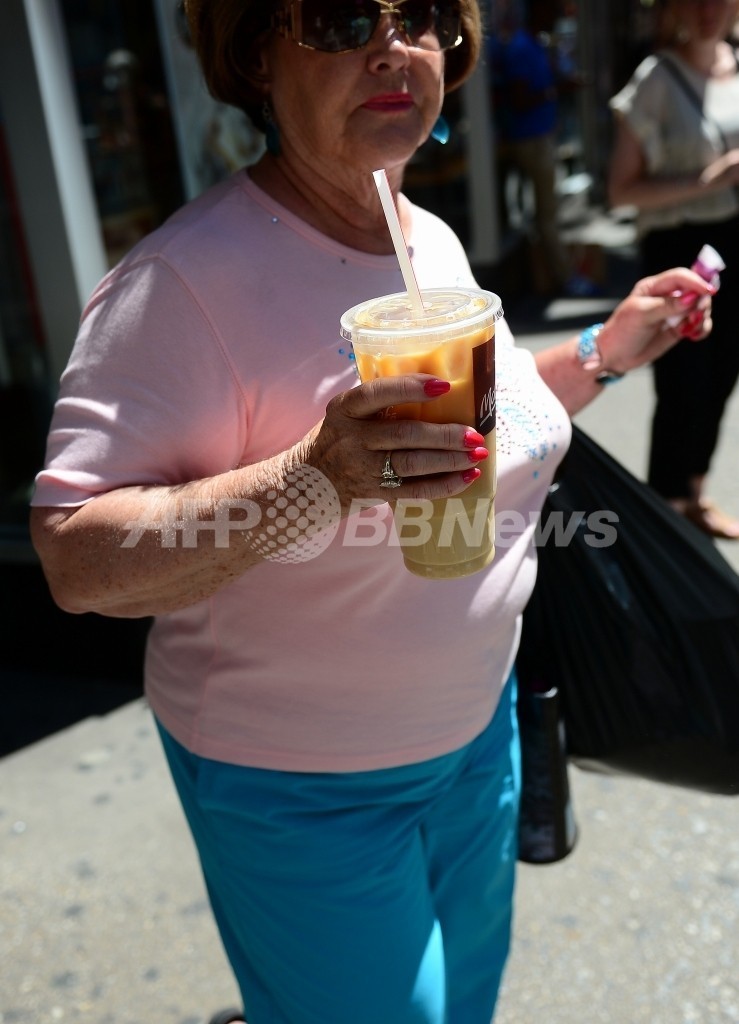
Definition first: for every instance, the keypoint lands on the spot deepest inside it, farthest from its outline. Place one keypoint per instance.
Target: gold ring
(389, 477)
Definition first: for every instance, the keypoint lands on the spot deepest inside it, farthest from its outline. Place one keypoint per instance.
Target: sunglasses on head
(338, 26)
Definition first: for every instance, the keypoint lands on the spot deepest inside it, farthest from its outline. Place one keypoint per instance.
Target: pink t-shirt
(215, 344)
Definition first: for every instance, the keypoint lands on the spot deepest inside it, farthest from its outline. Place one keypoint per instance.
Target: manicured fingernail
(692, 324)
(688, 299)
(472, 439)
(477, 455)
(434, 388)
(470, 474)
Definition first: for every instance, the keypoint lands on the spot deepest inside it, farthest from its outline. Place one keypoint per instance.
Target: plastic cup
(454, 341)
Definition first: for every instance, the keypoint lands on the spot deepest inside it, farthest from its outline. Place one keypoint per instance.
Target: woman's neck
(352, 216)
(712, 58)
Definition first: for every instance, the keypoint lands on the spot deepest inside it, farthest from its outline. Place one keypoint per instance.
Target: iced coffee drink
(454, 341)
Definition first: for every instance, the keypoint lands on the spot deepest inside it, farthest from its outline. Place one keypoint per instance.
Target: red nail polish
(692, 325)
(694, 320)
(472, 439)
(470, 474)
(477, 455)
(435, 388)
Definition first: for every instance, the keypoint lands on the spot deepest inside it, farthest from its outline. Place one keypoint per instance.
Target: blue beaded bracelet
(590, 356)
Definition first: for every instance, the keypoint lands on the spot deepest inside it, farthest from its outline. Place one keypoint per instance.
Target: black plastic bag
(635, 619)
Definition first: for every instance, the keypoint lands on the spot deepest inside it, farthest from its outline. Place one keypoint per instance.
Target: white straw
(401, 249)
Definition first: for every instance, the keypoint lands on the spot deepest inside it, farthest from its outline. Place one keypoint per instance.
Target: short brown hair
(224, 32)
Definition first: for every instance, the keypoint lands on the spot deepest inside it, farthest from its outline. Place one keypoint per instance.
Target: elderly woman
(341, 733)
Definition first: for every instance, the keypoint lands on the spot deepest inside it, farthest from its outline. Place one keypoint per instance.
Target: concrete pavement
(103, 915)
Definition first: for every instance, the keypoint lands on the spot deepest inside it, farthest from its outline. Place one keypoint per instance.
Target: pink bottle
(709, 265)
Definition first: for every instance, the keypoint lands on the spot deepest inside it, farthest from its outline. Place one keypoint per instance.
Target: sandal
(230, 1016)
(711, 520)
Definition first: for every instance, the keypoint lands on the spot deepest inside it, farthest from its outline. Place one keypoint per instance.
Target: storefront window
(126, 116)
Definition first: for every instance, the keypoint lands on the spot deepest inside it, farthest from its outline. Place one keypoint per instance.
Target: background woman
(342, 733)
(676, 158)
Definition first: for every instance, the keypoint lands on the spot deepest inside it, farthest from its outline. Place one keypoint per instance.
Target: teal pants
(380, 897)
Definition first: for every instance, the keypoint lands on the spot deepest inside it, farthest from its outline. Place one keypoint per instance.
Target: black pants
(694, 380)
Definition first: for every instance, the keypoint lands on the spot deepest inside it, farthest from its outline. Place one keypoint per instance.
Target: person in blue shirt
(525, 102)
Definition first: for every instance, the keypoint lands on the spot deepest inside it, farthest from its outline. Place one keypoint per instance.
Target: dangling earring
(441, 131)
(271, 131)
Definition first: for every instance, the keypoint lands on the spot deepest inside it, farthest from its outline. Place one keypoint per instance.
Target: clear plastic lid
(387, 317)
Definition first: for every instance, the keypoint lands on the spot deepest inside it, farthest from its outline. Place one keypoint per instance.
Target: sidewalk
(103, 915)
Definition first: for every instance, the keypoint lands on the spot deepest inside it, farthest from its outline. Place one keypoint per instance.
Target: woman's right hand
(723, 172)
(630, 182)
(351, 443)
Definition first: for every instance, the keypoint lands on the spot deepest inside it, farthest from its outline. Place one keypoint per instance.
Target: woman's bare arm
(143, 550)
(630, 185)
(636, 333)
(140, 551)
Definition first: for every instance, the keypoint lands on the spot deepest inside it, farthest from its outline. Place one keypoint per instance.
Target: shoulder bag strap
(693, 96)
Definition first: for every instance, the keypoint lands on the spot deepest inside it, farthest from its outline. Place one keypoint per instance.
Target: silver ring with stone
(389, 477)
